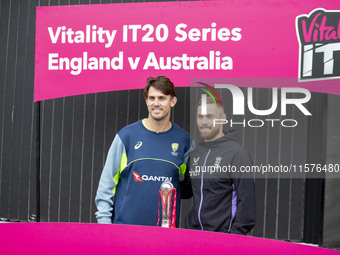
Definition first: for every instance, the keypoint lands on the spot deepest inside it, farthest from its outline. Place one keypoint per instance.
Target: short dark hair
(161, 83)
(210, 100)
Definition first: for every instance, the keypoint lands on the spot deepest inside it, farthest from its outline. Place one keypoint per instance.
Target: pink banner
(71, 238)
(97, 48)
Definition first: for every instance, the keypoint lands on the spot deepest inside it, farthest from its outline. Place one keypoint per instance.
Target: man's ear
(173, 101)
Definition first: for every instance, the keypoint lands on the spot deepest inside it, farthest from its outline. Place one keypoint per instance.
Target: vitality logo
(319, 38)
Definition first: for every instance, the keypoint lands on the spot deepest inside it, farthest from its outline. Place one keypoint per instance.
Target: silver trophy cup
(166, 188)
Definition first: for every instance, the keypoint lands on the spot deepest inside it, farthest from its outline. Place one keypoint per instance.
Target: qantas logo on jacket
(150, 178)
(137, 177)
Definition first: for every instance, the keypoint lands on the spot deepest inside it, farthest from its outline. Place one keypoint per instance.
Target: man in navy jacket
(223, 197)
(142, 156)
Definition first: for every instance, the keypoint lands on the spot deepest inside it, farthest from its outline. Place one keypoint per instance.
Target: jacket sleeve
(245, 216)
(185, 184)
(108, 181)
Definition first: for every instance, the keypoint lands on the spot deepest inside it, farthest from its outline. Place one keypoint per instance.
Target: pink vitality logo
(319, 38)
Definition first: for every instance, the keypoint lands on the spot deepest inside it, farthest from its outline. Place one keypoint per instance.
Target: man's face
(205, 122)
(159, 105)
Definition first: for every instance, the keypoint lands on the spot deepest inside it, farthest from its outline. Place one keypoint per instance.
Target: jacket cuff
(104, 220)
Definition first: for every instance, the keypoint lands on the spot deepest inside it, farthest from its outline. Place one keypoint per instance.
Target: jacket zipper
(201, 202)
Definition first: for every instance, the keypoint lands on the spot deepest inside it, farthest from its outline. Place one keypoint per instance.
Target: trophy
(167, 194)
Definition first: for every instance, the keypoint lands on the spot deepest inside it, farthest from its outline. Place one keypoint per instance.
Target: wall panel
(76, 132)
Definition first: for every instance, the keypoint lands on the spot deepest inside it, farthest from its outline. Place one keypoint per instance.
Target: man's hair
(161, 83)
(211, 101)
